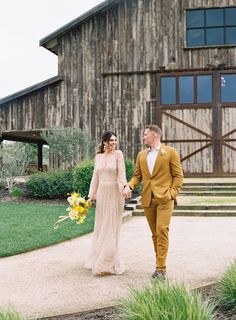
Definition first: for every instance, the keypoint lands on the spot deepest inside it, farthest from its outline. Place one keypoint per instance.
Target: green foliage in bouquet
(52, 184)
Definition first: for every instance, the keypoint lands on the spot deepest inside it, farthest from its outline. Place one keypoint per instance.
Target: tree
(70, 145)
(15, 158)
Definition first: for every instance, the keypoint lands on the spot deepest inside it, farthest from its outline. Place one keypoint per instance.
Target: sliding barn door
(198, 119)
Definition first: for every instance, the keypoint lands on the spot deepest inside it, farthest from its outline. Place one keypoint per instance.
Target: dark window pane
(214, 17)
(195, 38)
(215, 36)
(230, 35)
(204, 89)
(228, 85)
(168, 90)
(195, 19)
(186, 90)
(230, 16)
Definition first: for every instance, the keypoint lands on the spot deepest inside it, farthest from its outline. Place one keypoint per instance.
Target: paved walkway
(53, 281)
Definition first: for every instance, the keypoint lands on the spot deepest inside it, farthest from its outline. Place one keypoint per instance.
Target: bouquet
(77, 210)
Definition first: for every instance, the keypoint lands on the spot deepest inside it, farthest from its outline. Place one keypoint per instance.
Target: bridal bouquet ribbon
(77, 210)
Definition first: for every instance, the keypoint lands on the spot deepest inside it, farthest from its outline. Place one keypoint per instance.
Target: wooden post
(40, 156)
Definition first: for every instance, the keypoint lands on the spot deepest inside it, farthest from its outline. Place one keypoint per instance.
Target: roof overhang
(50, 42)
(32, 136)
(30, 89)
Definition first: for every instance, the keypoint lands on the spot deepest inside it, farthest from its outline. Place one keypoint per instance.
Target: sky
(22, 24)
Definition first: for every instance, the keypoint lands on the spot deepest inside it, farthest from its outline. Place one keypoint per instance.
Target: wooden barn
(127, 63)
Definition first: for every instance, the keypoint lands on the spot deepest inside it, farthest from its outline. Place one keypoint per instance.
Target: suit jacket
(166, 179)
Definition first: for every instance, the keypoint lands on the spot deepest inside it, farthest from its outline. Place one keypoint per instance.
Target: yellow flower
(81, 209)
(86, 204)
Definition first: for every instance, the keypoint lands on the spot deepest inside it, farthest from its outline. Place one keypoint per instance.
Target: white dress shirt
(151, 158)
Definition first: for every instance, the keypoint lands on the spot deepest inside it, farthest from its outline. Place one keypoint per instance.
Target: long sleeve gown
(106, 187)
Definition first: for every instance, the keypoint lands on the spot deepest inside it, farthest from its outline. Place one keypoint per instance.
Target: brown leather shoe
(159, 275)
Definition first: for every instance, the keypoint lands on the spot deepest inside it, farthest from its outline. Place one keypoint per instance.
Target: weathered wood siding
(133, 36)
(40, 109)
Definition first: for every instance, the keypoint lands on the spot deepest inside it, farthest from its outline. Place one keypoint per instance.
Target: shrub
(129, 168)
(164, 301)
(52, 184)
(226, 287)
(16, 192)
(82, 175)
(8, 314)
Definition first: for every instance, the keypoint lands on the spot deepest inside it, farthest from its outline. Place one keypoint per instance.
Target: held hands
(127, 193)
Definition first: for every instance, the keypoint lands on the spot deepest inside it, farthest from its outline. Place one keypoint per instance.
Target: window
(204, 89)
(168, 90)
(186, 89)
(211, 27)
(228, 85)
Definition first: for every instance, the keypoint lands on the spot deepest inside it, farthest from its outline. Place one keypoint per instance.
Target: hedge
(57, 183)
(52, 184)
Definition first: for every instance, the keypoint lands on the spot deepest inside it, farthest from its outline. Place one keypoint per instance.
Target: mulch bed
(102, 314)
(221, 313)
(4, 196)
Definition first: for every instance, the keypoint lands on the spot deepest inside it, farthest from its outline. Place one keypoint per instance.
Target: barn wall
(40, 109)
(133, 36)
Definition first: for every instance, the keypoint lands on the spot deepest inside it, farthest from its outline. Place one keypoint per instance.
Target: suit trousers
(158, 217)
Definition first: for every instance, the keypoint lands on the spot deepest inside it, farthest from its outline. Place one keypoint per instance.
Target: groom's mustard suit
(158, 195)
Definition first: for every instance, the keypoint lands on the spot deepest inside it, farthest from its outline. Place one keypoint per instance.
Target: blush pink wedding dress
(106, 187)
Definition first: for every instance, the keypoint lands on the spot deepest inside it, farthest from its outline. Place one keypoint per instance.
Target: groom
(160, 169)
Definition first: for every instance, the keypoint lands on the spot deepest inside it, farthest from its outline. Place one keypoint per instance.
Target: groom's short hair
(155, 128)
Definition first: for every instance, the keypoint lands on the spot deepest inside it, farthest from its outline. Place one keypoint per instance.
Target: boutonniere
(163, 152)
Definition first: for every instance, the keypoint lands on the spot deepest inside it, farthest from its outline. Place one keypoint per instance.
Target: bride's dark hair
(105, 138)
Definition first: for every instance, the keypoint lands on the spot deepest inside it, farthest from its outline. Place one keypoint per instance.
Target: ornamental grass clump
(226, 287)
(164, 301)
(9, 314)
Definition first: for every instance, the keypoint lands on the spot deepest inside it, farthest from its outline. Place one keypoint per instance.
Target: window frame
(205, 28)
(195, 102)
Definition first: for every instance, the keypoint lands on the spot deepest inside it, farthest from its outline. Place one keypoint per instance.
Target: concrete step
(206, 183)
(215, 207)
(208, 188)
(208, 193)
(199, 213)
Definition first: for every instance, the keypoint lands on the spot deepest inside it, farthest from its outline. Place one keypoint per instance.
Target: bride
(106, 188)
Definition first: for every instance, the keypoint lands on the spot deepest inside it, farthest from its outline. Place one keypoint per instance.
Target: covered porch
(32, 136)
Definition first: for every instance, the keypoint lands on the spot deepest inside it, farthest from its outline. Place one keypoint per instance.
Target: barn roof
(50, 42)
(30, 89)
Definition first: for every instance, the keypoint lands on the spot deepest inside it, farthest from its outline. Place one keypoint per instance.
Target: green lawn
(25, 227)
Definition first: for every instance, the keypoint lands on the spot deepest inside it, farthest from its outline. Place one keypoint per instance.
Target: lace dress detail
(106, 187)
